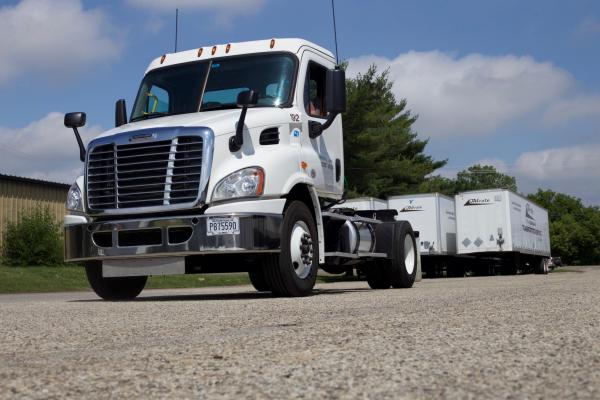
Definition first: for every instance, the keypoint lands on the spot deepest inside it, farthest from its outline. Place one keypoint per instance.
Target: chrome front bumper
(169, 236)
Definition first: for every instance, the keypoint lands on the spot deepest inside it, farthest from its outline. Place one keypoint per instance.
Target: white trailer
(364, 203)
(433, 216)
(502, 225)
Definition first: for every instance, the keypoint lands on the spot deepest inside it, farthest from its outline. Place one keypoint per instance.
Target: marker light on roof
(214, 50)
(272, 43)
(199, 51)
(227, 47)
(162, 59)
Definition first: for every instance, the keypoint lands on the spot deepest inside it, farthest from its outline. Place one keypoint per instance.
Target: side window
(157, 101)
(314, 91)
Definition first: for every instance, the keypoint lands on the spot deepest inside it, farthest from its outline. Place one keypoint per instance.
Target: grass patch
(565, 269)
(71, 278)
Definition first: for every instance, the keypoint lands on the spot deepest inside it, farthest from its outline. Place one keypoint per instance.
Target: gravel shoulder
(491, 337)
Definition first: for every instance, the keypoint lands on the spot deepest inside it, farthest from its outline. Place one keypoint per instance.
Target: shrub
(35, 240)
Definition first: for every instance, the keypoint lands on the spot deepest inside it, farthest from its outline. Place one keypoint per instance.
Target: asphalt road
(495, 337)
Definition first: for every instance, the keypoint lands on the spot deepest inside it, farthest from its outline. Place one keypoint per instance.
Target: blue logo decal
(296, 133)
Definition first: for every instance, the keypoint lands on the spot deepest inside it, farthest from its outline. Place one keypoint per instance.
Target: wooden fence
(21, 195)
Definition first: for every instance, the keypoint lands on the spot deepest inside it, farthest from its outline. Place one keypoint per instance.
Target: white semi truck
(499, 228)
(231, 161)
(433, 216)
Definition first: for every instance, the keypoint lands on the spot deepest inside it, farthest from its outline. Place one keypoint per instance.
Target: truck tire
(402, 267)
(293, 272)
(126, 288)
(258, 279)
(540, 265)
(377, 275)
(455, 270)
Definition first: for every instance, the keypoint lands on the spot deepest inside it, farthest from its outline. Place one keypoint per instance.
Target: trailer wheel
(402, 267)
(377, 275)
(126, 288)
(294, 272)
(540, 265)
(258, 279)
(455, 270)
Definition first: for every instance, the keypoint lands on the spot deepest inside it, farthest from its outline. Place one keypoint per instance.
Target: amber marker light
(303, 165)
(162, 59)
(213, 51)
(227, 48)
(199, 51)
(261, 182)
(272, 43)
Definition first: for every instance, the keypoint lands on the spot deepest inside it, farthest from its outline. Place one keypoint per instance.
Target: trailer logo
(411, 208)
(529, 211)
(478, 202)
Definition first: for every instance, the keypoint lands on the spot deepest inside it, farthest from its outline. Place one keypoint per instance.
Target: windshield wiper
(148, 116)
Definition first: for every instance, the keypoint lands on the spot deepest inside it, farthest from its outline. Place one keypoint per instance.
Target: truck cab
(231, 160)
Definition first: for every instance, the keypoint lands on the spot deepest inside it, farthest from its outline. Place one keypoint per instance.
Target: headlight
(247, 182)
(74, 201)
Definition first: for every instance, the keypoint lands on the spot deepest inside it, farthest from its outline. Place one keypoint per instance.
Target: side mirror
(335, 101)
(120, 113)
(247, 98)
(75, 119)
(335, 91)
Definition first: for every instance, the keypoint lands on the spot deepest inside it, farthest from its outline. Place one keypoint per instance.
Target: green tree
(382, 153)
(574, 228)
(479, 177)
(476, 177)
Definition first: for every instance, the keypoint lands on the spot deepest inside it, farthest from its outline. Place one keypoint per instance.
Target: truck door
(323, 155)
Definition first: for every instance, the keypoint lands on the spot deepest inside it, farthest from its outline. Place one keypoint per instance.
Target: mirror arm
(236, 141)
(316, 129)
(80, 143)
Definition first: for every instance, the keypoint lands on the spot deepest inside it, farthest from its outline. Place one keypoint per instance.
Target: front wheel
(258, 279)
(126, 288)
(294, 272)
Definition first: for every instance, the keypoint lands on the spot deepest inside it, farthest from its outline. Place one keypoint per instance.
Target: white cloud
(222, 7)
(44, 149)
(471, 95)
(561, 163)
(53, 37)
(574, 170)
(584, 106)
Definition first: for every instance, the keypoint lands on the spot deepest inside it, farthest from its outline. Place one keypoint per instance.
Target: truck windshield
(178, 89)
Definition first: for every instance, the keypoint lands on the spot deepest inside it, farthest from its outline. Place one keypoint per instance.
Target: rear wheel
(126, 288)
(294, 272)
(377, 275)
(402, 266)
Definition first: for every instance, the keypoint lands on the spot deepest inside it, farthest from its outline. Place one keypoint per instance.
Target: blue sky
(510, 83)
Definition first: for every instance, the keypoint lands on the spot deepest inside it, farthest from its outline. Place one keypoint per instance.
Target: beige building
(19, 195)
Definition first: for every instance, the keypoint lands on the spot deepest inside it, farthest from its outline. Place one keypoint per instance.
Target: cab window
(314, 91)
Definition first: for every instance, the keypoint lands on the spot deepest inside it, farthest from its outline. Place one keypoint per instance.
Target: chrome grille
(147, 174)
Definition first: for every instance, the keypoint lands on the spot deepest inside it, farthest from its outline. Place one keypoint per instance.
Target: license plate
(222, 226)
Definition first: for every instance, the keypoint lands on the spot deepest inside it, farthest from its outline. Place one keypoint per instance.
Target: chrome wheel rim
(301, 249)
(409, 254)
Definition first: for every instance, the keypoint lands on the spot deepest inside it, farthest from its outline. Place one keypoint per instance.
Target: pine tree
(382, 153)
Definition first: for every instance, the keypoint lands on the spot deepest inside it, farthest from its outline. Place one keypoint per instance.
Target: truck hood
(222, 122)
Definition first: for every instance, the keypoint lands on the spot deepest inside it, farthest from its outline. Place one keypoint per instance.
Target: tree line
(384, 157)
